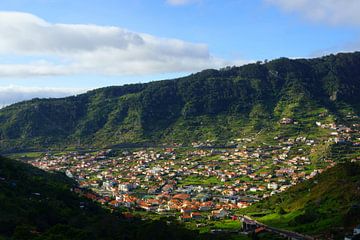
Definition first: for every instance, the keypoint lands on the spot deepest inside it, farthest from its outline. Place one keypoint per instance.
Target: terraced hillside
(326, 206)
(213, 105)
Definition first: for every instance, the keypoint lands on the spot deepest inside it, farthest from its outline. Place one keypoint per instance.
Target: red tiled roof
(182, 196)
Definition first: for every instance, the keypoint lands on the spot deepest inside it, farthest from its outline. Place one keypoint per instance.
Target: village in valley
(199, 182)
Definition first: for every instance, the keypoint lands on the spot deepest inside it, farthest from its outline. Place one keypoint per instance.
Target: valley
(203, 186)
(180, 120)
(272, 145)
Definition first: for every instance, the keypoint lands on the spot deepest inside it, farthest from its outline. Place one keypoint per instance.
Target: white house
(357, 230)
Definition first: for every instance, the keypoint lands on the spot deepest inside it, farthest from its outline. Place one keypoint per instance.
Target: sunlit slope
(215, 105)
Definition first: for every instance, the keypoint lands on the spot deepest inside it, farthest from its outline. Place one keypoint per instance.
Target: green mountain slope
(210, 105)
(327, 205)
(39, 205)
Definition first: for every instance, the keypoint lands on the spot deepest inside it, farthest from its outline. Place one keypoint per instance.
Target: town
(193, 183)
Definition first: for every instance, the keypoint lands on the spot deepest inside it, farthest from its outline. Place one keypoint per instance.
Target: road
(284, 233)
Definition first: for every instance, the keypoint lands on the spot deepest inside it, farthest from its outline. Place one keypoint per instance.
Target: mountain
(213, 105)
(38, 205)
(326, 206)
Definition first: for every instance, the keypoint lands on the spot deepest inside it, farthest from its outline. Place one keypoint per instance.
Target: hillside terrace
(196, 183)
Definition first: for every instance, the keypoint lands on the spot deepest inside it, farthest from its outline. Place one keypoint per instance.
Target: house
(196, 215)
(253, 189)
(161, 209)
(357, 230)
(114, 203)
(206, 206)
(185, 218)
(126, 187)
(181, 196)
(217, 214)
(356, 234)
(202, 197)
(242, 204)
(186, 210)
(272, 185)
(168, 188)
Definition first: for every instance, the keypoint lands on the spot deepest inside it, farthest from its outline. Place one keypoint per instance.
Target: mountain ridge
(215, 105)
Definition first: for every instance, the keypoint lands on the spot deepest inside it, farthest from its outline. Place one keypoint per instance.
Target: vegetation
(327, 204)
(215, 105)
(212, 106)
(39, 205)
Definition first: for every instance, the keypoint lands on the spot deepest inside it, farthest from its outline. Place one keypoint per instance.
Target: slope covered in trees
(215, 105)
(38, 205)
(328, 205)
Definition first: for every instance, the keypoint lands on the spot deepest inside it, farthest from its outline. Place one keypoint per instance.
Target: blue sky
(51, 48)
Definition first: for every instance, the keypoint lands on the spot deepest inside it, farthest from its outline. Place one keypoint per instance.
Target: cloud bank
(93, 49)
(334, 12)
(181, 2)
(12, 94)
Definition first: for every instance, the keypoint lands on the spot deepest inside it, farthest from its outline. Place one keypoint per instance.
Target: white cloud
(181, 2)
(40, 68)
(12, 94)
(335, 12)
(92, 49)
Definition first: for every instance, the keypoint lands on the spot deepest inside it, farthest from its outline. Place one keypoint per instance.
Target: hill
(212, 105)
(39, 205)
(327, 205)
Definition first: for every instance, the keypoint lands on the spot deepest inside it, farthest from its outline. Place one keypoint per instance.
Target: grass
(228, 225)
(194, 180)
(26, 155)
(314, 206)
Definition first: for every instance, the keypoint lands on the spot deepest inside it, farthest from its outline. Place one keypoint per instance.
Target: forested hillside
(327, 206)
(38, 205)
(213, 105)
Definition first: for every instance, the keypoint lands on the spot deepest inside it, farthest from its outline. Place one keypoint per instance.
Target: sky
(55, 48)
